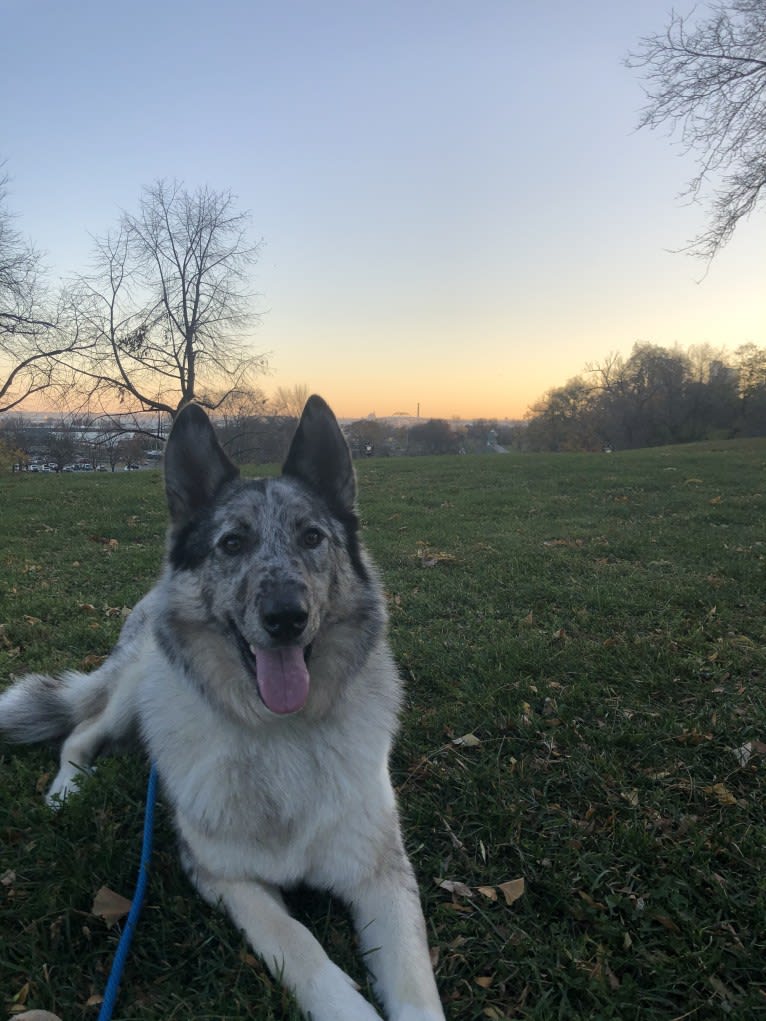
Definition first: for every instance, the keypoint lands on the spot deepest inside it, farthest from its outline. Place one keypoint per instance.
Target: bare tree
(166, 311)
(289, 400)
(707, 81)
(31, 340)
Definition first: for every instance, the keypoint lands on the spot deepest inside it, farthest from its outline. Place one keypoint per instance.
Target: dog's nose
(285, 621)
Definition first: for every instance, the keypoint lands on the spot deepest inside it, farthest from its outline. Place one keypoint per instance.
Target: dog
(258, 676)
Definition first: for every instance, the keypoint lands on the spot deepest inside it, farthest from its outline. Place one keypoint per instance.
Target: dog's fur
(258, 675)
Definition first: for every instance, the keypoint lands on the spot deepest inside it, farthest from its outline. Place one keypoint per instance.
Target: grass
(595, 622)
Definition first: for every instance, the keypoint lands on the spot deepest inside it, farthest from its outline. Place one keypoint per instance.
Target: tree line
(655, 396)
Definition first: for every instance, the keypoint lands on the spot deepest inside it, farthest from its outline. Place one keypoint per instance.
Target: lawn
(584, 643)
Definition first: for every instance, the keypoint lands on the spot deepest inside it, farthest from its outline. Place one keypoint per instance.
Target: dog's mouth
(281, 673)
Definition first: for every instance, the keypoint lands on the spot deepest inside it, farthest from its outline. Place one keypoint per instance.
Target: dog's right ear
(196, 465)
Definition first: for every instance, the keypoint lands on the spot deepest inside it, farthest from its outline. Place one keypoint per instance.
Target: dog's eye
(231, 543)
(312, 538)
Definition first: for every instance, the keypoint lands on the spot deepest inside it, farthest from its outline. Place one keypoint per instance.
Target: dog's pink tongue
(283, 679)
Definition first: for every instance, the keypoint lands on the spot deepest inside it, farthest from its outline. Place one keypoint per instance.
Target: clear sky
(455, 208)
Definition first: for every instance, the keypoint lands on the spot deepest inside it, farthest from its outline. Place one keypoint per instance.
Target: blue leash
(123, 947)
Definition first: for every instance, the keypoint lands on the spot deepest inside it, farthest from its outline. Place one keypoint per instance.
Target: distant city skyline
(454, 206)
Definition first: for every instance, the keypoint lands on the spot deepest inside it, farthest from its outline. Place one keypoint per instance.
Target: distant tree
(368, 437)
(11, 457)
(433, 437)
(750, 365)
(163, 317)
(655, 396)
(289, 400)
(237, 425)
(32, 338)
(62, 442)
(708, 82)
(563, 420)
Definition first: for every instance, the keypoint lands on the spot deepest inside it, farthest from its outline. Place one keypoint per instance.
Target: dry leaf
(94, 1001)
(467, 741)
(666, 923)
(722, 792)
(110, 906)
(743, 754)
(455, 887)
(488, 891)
(485, 981)
(8, 878)
(512, 890)
(748, 749)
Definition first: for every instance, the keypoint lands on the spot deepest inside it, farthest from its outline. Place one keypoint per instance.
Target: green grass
(596, 622)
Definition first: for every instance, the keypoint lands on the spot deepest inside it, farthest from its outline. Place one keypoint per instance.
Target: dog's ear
(319, 457)
(195, 464)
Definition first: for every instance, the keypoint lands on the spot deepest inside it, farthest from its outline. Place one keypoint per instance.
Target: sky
(455, 209)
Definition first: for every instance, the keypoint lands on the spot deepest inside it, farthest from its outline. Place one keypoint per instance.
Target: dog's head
(260, 570)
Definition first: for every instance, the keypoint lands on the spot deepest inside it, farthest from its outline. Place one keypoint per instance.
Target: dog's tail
(39, 707)
(43, 708)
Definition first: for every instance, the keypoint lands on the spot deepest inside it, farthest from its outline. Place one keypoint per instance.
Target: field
(584, 642)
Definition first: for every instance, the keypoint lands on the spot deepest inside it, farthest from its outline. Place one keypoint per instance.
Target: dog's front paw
(332, 996)
(66, 783)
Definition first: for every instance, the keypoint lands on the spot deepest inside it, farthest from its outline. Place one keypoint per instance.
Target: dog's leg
(82, 747)
(77, 754)
(392, 931)
(288, 949)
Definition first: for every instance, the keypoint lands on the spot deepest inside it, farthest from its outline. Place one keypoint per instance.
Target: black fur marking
(190, 545)
(350, 523)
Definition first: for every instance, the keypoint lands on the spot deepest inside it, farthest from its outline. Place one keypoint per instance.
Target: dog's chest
(284, 808)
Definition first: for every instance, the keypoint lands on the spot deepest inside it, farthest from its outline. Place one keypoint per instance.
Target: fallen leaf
(455, 887)
(666, 923)
(92, 661)
(110, 906)
(487, 891)
(94, 1001)
(693, 737)
(22, 994)
(485, 981)
(467, 741)
(743, 754)
(512, 890)
(722, 792)
(8, 878)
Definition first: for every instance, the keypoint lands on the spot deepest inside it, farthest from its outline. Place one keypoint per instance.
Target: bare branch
(707, 83)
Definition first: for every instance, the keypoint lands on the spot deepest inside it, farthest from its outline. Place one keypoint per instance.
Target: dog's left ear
(196, 465)
(319, 457)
